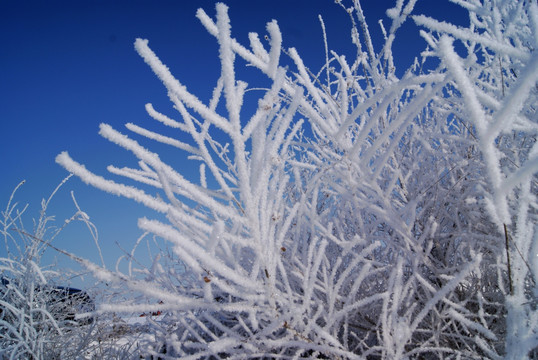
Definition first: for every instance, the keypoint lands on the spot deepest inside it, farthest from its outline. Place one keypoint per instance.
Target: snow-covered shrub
(493, 92)
(37, 318)
(355, 213)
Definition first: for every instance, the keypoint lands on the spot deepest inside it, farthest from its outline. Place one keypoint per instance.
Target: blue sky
(67, 66)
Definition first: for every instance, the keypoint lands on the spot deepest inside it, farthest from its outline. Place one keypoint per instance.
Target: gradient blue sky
(67, 66)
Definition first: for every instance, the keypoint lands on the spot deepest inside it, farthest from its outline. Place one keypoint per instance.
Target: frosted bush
(356, 213)
(37, 318)
(494, 94)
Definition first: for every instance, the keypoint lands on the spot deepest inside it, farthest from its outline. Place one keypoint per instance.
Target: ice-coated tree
(356, 213)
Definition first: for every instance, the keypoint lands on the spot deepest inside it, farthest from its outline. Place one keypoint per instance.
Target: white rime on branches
(497, 85)
(373, 215)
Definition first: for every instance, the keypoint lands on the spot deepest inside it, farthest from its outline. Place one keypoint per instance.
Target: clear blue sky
(67, 66)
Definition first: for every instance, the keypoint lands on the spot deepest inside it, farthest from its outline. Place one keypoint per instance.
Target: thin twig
(520, 255)
(508, 259)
